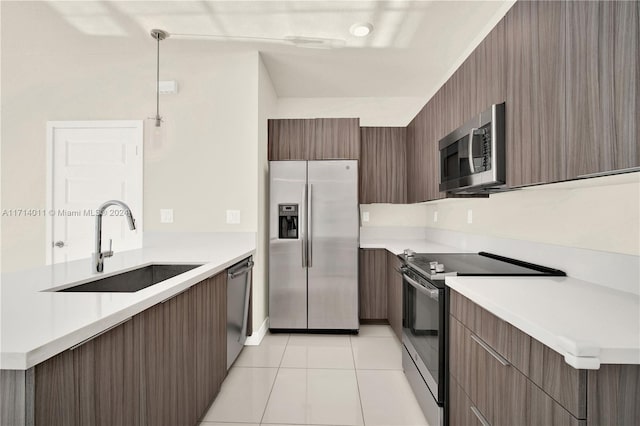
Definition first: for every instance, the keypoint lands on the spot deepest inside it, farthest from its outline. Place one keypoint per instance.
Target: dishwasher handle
(246, 269)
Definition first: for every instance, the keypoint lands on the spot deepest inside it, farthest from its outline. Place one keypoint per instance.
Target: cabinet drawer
(463, 412)
(498, 390)
(540, 364)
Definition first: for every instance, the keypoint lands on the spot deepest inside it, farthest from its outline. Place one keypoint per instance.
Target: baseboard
(258, 335)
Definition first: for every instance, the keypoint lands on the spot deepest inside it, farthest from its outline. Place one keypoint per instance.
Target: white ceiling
(413, 48)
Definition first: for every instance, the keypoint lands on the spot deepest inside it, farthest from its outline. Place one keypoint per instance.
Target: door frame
(51, 127)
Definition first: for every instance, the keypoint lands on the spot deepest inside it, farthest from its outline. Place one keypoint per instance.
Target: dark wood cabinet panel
(423, 155)
(613, 397)
(335, 138)
(210, 339)
(290, 139)
(372, 284)
(179, 353)
(383, 176)
(489, 63)
(535, 92)
(55, 391)
(416, 181)
(149, 327)
(314, 139)
(394, 294)
(543, 366)
(461, 413)
(107, 379)
(499, 391)
(603, 86)
(565, 384)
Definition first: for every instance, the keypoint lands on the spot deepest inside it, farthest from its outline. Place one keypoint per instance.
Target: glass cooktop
(475, 264)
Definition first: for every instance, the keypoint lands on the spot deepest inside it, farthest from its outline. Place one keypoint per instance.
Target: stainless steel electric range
(425, 317)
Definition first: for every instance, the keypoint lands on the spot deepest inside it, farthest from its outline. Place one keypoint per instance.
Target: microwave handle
(470, 157)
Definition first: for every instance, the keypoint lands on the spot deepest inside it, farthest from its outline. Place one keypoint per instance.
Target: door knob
(59, 244)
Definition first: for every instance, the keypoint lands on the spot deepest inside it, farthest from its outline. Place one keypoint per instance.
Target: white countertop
(586, 323)
(36, 324)
(397, 246)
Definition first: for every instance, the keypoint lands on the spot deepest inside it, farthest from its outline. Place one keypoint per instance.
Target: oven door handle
(432, 293)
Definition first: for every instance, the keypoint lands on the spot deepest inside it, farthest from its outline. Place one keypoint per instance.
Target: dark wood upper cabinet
(535, 92)
(314, 139)
(336, 139)
(383, 176)
(603, 86)
(423, 155)
(415, 184)
(489, 69)
(290, 139)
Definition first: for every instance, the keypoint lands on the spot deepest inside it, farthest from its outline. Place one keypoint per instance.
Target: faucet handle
(110, 252)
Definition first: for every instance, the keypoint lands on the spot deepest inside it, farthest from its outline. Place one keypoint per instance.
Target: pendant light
(158, 35)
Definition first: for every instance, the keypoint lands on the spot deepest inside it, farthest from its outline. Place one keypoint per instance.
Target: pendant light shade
(158, 35)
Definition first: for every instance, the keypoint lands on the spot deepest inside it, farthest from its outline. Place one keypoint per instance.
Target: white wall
(373, 112)
(598, 214)
(207, 161)
(266, 107)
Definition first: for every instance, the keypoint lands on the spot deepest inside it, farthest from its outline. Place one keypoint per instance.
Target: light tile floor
(308, 379)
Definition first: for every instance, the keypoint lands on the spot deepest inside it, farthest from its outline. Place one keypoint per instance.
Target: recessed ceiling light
(361, 29)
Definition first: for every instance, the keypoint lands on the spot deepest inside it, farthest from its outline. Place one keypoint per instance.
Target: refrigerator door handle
(303, 234)
(309, 228)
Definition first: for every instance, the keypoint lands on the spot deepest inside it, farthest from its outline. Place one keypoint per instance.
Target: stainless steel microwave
(472, 157)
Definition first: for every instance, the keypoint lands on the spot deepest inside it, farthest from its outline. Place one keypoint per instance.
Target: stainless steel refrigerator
(313, 245)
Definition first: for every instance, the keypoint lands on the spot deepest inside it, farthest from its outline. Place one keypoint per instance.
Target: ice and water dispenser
(288, 221)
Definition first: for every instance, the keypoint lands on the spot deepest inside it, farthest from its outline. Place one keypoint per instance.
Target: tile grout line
(355, 372)
(274, 380)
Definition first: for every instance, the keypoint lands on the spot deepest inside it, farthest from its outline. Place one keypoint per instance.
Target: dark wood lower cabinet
(394, 294)
(106, 374)
(463, 412)
(162, 367)
(211, 340)
(512, 379)
(150, 329)
(373, 284)
(613, 397)
(55, 395)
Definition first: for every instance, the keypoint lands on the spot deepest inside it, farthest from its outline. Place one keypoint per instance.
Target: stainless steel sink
(132, 281)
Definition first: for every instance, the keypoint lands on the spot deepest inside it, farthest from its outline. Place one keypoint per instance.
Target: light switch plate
(469, 216)
(233, 216)
(166, 215)
(365, 216)
(435, 216)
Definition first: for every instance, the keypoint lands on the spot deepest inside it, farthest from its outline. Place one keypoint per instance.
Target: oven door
(423, 324)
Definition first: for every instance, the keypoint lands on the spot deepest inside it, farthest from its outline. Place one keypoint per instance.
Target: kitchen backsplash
(601, 214)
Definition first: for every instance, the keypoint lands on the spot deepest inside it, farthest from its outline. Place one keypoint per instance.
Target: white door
(91, 162)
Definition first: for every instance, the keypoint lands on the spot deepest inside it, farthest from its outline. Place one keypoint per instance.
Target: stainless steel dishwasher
(238, 287)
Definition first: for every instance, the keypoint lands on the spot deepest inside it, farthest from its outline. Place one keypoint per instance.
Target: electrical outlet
(365, 216)
(469, 216)
(435, 216)
(233, 216)
(166, 215)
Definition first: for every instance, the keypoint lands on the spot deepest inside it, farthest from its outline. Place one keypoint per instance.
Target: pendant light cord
(158, 83)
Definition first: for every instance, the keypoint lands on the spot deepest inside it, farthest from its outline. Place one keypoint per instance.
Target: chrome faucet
(99, 255)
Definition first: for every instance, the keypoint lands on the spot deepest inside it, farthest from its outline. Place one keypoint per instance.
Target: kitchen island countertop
(38, 323)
